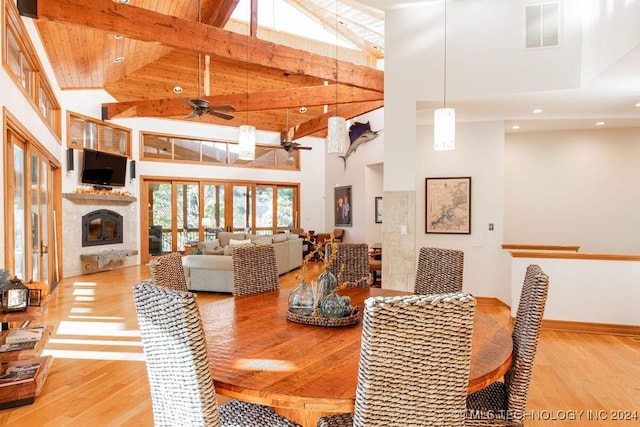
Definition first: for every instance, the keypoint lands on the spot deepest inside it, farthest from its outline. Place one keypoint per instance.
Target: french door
(181, 212)
(31, 224)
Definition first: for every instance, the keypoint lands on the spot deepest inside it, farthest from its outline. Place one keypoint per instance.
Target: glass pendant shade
(444, 129)
(337, 136)
(247, 143)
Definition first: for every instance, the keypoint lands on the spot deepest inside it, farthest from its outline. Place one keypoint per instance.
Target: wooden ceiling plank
(257, 101)
(146, 25)
(222, 13)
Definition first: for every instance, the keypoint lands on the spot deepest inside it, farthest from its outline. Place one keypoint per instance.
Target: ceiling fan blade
(193, 114)
(223, 107)
(189, 103)
(304, 148)
(219, 114)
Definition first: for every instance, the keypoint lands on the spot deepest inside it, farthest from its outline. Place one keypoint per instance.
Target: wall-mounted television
(103, 169)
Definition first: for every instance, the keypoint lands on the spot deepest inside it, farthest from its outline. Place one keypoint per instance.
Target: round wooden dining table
(304, 372)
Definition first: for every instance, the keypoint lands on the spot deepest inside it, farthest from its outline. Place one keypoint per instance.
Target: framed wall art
(448, 205)
(378, 210)
(342, 206)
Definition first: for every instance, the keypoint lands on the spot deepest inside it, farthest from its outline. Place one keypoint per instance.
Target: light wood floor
(98, 376)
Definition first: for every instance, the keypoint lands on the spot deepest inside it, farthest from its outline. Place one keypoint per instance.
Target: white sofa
(212, 270)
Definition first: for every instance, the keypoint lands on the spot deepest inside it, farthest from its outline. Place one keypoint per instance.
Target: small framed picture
(342, 206)
(378, 210)
(34, 297)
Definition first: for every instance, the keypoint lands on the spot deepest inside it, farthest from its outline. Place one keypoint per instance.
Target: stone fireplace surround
(74, 207)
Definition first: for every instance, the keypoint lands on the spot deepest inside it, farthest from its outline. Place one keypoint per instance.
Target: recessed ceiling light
(117, 36)
(537, 111)
(303, 110)
(599, 123)
(177, 89)
(121, 1)
(515, 127)
(375, 46)
(638, 104)
(118, 59)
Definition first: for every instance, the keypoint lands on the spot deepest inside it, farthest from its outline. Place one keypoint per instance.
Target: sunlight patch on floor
(106, 329)
(77, 284)
(94, 355)
(114, 318)
(84, 292)
(95, 342)
(265, 365)
(81, 310)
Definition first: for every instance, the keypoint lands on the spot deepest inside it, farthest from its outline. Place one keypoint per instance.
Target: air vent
(541, 25)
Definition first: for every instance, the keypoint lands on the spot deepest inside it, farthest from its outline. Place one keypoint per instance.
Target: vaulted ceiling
(268, 76)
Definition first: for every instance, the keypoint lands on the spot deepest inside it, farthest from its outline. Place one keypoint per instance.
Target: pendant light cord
(445, 56)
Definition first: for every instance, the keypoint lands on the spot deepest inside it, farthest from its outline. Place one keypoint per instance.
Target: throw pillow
(291, 236)
(216, 251)
(209, 244)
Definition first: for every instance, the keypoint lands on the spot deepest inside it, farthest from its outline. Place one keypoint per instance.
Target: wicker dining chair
(254, 270)
(168, 271)
(414, 362)
(351, 264)
(180, 381)
(507, 400)
(439, 271)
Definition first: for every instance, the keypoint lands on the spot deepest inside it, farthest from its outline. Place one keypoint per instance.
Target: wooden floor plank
(98, 375)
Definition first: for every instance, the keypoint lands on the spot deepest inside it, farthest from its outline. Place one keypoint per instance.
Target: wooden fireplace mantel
(88, 197)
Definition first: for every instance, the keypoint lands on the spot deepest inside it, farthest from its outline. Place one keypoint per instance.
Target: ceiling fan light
(337, 136)
(247, 143)
(444, 129)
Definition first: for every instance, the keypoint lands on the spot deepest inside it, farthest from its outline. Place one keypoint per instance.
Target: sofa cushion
(263, 240)
(239, 242)
(225, 236)
(291, 236)
(279, 238)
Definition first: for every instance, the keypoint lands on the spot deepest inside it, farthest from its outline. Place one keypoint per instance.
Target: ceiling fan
(289, 146)
(201, 106)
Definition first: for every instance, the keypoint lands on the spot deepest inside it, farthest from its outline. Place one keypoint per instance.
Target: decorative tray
(326, 321)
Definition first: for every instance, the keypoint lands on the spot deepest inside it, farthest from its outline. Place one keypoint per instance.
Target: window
(541, 25)
(21, 62)
(182, 211)
(86, 132)
(168, 148)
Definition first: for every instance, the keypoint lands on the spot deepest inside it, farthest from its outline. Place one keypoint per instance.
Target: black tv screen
(103, 169)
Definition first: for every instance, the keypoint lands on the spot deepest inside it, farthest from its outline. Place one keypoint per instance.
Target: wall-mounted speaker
(132, 169)
(70, 159)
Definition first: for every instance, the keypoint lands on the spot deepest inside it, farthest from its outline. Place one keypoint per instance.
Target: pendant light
(337, 132)
(444, 119)
(247, 138)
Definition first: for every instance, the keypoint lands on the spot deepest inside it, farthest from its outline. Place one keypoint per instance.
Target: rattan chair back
(526, 334)
(182, 390)
(351, 264)
(414, 362)
(180, 380)
(254, 270)
(168, 271)
(439, 271)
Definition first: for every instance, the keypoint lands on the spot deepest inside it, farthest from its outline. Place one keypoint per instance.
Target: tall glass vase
(301, 300)
(327, 283)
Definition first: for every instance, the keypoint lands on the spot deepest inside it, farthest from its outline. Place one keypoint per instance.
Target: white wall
(363, 174)
(479, 154)
(574, 188)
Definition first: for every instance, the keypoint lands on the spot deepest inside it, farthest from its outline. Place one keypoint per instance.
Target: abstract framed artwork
(378, 210)
(448, 205)
(342, 206)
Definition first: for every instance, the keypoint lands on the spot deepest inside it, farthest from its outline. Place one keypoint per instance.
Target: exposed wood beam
(319, 123)
(253, 21)
(221, 12)
(147, 25)
(257, 101)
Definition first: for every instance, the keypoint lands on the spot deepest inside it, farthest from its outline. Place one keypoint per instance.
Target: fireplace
(101, 227)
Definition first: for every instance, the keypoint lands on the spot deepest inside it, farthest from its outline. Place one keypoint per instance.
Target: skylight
(282, 16)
